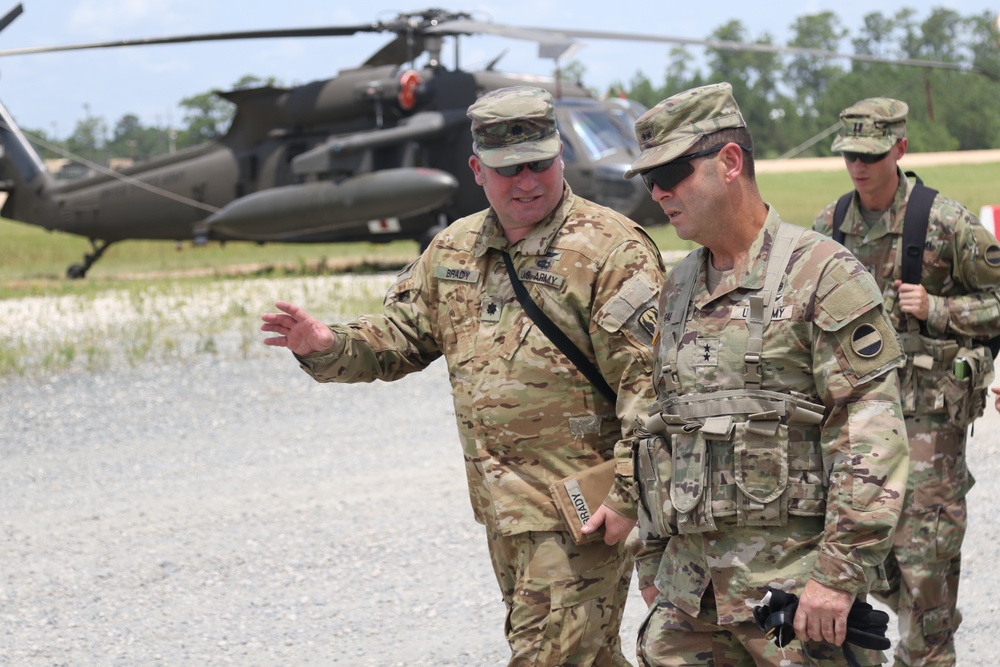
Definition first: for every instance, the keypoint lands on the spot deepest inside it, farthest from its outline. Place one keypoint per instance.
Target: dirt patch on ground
(910, 160)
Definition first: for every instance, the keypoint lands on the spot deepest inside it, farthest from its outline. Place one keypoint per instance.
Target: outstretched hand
(996, 390)
(297, 330)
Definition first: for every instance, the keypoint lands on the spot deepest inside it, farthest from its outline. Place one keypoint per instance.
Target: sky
(54, 91)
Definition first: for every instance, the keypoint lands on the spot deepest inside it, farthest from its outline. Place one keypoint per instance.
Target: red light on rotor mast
(409, 81)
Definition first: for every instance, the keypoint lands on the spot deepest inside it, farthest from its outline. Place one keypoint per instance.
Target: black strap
(556, 335)
(839, 214)
(918, 211)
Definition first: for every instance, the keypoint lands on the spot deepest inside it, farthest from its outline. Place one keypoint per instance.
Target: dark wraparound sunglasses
(668, 176)
(538, 166)
(867, 158)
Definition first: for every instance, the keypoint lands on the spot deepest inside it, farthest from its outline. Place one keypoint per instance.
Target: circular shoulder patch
(866, 341)
(992, 255)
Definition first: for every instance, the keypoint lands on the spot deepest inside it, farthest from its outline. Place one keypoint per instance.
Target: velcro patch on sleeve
(637, 293)
(869, 344)
(848, 297)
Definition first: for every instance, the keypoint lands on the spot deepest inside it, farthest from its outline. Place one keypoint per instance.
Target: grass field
(34, 261)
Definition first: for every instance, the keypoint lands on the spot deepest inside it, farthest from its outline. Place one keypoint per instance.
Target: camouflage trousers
(670, 637)
(925, 563)
(564, 602)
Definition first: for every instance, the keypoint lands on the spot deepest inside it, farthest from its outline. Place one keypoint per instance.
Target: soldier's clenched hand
(822, 614)
(913, 299)
(297, 330)
(616, 526)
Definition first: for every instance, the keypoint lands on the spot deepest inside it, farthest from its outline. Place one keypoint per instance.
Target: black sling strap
(918, 211)
(556, 335)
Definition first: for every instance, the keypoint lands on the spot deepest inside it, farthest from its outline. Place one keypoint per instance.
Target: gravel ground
(219, 507)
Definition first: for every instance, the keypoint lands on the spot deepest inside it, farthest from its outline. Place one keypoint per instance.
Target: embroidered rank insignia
(491, 309)
(866, 341)
(706, 352)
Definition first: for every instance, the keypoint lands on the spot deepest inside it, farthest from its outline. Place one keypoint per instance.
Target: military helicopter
(377, 153)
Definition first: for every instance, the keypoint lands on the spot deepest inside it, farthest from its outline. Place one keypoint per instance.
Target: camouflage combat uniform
(526, 416)
(961, 273)
(802, 477)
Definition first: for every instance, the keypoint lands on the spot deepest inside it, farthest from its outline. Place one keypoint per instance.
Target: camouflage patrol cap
(871, 126)
(514, 125)
(669, 129)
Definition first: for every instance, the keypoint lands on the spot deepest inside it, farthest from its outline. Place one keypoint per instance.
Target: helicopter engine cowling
(291, 211)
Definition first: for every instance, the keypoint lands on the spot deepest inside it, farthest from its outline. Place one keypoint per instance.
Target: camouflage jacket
(526, 416)
(961, 271)
(828, 342)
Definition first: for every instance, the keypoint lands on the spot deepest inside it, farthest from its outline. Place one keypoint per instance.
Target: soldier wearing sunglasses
(774, 454)
(527, 416)
(941, 317)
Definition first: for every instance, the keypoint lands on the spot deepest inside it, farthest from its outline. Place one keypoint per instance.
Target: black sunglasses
(538, 166)
(867, 158)
(669, 175)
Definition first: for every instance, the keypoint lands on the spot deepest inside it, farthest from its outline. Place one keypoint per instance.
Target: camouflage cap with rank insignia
(871, 126)
(669, 129)
(514, 125)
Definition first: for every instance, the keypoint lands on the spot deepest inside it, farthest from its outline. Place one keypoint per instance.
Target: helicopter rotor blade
(396, 52)
(552, 43)
(10, 16)
(759, 48)
(332, 31)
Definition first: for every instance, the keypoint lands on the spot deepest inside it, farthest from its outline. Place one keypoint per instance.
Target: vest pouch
(688, 491)
(929, 365)
(654, 470)
(760, 463)
(965, 388)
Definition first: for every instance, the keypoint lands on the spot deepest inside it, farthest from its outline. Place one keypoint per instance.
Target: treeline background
(792, 102)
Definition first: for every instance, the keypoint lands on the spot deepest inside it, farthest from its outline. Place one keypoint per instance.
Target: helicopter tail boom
(23, 175)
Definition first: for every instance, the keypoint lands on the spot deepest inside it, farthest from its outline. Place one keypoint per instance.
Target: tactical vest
(750, 453)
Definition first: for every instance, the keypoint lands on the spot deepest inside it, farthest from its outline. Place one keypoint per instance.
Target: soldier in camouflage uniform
(775, 454)
(956, 302)
(526, 415)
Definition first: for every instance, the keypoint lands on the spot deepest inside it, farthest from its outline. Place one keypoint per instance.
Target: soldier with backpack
(939, 273)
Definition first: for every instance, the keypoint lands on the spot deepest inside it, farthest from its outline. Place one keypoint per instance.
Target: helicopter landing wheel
(77, 271)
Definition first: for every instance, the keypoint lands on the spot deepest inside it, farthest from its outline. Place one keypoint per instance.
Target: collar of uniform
(748, 274)
(854, 222)
(538, 240)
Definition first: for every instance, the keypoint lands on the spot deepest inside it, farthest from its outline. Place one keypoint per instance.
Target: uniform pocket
(760, 465)
(654, 472)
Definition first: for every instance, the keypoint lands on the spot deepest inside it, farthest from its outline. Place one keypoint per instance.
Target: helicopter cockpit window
(599, 135)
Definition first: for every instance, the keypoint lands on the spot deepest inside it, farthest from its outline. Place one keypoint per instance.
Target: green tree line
(792, 102)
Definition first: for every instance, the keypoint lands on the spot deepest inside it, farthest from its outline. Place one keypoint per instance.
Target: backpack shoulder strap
(839, 213)
(918, 212)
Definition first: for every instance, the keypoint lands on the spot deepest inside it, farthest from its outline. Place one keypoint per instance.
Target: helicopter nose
(628, 197)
